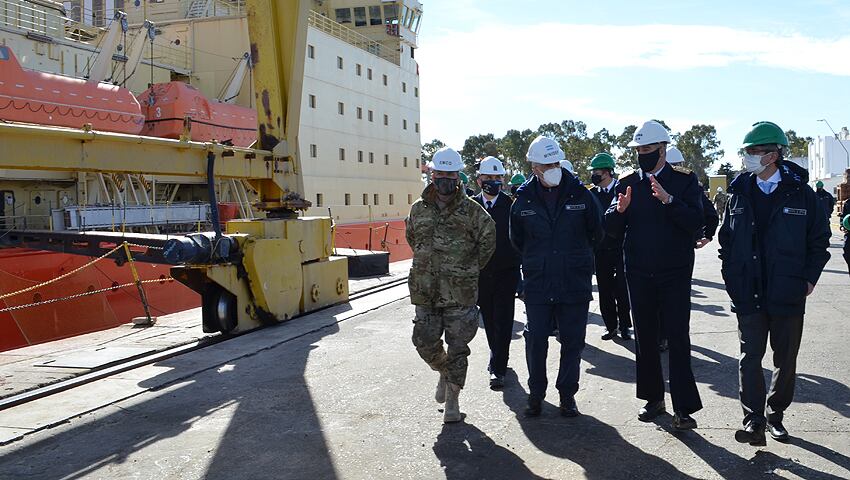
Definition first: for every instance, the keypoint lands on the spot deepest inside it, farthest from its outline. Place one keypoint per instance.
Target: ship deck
(341, 393)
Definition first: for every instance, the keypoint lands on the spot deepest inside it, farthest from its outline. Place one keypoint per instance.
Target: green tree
(429, 149)
(473, 151)
(514, 146)
(701, 148)
(728, 170)
(798, 146)
(627, 158)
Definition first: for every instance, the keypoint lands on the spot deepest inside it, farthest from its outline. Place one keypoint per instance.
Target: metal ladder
(198, 8)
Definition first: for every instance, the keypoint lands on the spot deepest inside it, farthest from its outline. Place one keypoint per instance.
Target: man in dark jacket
(827, 201)
(610, 276)
(773, 247)
(845, 227)
(554, 224)
(659, 213)
(497, 282)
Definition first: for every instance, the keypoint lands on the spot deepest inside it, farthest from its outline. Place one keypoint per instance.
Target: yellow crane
(256, 272)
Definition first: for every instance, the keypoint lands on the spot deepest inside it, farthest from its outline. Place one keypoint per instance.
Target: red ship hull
(21, 268)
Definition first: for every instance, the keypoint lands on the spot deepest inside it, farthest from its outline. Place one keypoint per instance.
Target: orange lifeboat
(46, 99)
(165, 105)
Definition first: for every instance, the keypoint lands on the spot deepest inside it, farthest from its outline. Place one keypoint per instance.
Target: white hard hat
(446, 160)
(491, 166)
(651, 132)
(544, 150)
(568, 165)
(719, 189)
(674, 156)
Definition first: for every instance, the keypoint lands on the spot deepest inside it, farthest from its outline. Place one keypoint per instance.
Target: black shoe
(609, 335)
(662, 345)
(683, 421)
(752, 433)
(651, 410)
(777, 431)
(568, 407)
(625, 335)
(534, 408)
(497, 382)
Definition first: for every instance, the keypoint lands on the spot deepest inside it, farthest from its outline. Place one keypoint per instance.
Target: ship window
(359, 69)
(359, 16)
(405, 162)
(416, 23)
(340, 108)
(376, 199)
(386, 119)
(339, 63)
(403, 87)
(312, 101)
(417, 162)
(404, 124)
(319, 198)
(375, 15)
(371, 116)
(385, 80)
(360, 156)
(417, 127)
(365, 199)
(359, 113)
(405, 15)
(311, 51)
(386, 159)
(416, 92)
(348, 199)
(391, 13)
(371, 157)
(314, 150)
(342, 154)
(409, 198)
(392, 199)
(343, 15)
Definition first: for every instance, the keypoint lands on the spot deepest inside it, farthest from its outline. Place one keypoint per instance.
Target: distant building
(829, 158)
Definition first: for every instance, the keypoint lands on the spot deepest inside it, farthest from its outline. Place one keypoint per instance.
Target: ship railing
(340, 31)
(30, 17)
(183, 9)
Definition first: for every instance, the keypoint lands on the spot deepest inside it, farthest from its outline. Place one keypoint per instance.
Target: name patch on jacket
(736, 211)
(794, 211)
(527, 213)
(578, 206)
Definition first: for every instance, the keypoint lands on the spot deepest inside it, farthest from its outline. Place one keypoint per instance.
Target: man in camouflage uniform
(720, 199)
(452, 238)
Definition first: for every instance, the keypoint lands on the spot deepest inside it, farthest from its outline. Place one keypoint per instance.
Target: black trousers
(496, 302)
(613, 290)
(571, 319)
(784, 334)
(662, 304)
(847, 251)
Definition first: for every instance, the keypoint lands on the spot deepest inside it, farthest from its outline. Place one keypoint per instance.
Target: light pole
(839, 140)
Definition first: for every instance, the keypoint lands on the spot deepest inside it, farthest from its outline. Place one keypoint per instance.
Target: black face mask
(648, 161)
(491, 187)
(445, 186)
(596, 178)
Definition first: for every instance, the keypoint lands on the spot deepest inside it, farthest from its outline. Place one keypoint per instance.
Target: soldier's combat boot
(440, 394)
(451, 413)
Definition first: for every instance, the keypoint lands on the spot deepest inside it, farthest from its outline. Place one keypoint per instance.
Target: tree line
(699, 145)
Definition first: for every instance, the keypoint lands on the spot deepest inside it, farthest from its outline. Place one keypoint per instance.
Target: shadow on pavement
(466, 452)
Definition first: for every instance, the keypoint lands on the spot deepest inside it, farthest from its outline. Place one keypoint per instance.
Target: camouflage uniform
(720, 200)
(450, 246)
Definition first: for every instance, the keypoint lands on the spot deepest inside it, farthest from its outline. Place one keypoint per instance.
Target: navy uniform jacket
(505, 257)
(609, 243)
(658, 238)
(711, 219)
(827, 201)
(557, 250)
(796, 243)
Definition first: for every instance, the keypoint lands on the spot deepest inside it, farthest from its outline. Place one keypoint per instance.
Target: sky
(487, 66)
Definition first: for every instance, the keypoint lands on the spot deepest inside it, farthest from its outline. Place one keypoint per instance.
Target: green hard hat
(518, 179)
(463, 178)
(819, 184)
(846, 222)
(602, 160)
(765, 133)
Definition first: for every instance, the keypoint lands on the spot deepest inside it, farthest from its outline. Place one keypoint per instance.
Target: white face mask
(552, 177)
(753, 163)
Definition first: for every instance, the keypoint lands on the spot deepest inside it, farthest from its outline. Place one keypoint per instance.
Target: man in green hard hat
(610, 275)
(827, 201)
(773, 247)
(464, 180)
(517, 180)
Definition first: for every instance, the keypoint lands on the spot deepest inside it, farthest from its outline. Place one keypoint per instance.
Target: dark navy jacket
(557, 250)
(505, 257)
(827, 202)
(796, 243)
(609, 245)
(711, 219)
(658, 238)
